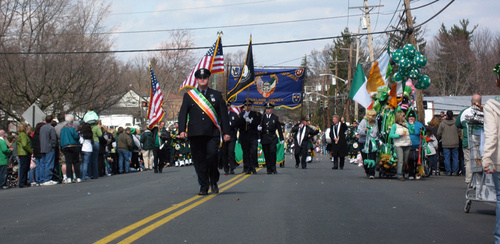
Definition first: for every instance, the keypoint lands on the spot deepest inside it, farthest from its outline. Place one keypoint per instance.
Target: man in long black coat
(270, 124)
(204, 133)
(303, 133)
(228, 161)
(338, 147)
(248, 123)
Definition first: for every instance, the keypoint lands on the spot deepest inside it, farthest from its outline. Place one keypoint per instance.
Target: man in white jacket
(491, 153)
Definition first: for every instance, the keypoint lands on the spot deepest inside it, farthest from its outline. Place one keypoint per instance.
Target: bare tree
(56, 64)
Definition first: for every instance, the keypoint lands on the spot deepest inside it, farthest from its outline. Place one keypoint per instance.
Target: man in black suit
(208, 122)
(338, 147)
(302, 136)
(228, 161)
(270, 123)
(248, 122)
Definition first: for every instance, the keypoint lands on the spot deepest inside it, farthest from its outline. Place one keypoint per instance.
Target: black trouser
(337, 161)
(300, 155)
(156, 160)
(228, 158)
(249, 148)
(72, 155)
(3, 175)
(412, 162)
(135, 160)
(270, 155)
(101, 164)
(205, 151)
(24, 167)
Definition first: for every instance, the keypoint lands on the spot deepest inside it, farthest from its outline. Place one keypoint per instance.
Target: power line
(194, 8)
(219, 27)
(438, 13)
(425, 5)
(196, 48)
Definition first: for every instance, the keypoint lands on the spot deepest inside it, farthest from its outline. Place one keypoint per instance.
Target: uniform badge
(212, 98)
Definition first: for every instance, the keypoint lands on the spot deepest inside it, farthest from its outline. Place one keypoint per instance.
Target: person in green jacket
(24, 153)
(4, 159)
(147, 140)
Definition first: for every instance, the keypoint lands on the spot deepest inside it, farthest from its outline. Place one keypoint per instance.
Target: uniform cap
(248, 102)
(202, 73)
(269, 105)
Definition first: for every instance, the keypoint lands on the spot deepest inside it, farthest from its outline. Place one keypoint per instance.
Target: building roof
(453, 103)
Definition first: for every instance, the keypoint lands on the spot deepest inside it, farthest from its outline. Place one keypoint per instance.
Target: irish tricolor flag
(358, 90)
(361, 87)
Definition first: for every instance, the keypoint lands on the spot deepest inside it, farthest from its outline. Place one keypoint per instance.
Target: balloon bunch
(410, 61)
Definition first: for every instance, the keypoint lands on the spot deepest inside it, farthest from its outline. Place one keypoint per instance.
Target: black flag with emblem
(247, 75)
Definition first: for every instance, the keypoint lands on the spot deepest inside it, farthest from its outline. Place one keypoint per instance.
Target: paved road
(315, 205)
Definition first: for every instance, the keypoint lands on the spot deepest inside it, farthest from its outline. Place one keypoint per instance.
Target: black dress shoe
(335, 168)
(275, 172)
(296, 166)
(248, 172)
(269, 172)
(203, 193)
(232, 172)
(215, 189)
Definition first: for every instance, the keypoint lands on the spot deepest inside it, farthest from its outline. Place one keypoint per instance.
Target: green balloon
(419, 60)
(414, 74)
(423, 82)
(397, 77)
(405, 63)
(397, 55)
(405, 73)
(409, 51)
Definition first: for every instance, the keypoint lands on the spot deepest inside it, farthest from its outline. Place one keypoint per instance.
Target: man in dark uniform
(302, 136)
(159, 136)
(228, 161)
(338, 147)
(208, 122)
(248, 122)
(270, 123)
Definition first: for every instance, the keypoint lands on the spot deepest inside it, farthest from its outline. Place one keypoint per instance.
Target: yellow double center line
(197, 201)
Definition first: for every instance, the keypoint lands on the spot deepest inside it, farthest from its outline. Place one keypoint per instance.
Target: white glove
(245, 115)
(259, 128)
(249, 120)
(282, 142)
(258, 141)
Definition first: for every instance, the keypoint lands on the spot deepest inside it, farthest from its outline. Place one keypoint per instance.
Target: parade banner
(282, 87)
(280, 153)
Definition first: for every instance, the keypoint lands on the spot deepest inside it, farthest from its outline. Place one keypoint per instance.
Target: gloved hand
(249, 120)
(258, 141)
(282, 142)
(245, 115)
(259, 128)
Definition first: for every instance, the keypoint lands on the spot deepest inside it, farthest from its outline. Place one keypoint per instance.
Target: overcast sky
(305, 20)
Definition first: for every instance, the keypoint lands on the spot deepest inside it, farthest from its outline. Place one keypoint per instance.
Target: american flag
(155, 111)
(235, 109)
(213, 61)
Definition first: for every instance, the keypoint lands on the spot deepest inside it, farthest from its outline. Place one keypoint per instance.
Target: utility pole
(367, 10)
(349, 77)
(419, 99)
(356, 106)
